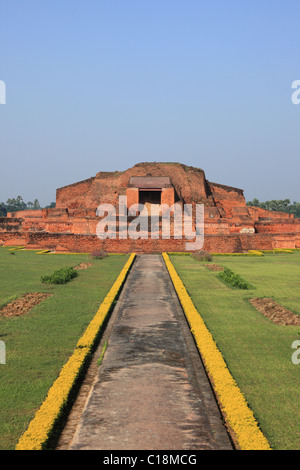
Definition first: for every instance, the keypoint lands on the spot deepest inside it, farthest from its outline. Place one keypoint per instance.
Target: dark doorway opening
(152, 196)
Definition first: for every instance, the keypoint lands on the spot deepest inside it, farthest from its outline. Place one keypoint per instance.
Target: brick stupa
(230, 225)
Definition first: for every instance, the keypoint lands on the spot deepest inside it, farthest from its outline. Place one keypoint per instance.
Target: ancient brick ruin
(230, 225)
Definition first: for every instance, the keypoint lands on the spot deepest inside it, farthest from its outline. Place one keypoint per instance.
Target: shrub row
(179, 253)
(278, 250)
(233, 280)
(250, 253)
(61, 276)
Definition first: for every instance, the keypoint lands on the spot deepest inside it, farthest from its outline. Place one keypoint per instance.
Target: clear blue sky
(102, 85)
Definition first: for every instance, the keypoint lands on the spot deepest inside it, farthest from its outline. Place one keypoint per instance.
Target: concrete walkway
(150, 392)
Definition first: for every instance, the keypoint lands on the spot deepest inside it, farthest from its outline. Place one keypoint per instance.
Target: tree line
(282, 205)
(17, 204)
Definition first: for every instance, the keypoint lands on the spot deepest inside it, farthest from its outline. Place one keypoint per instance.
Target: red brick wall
(13, 239)
(167, 196)
(132, 196)
(214, 243)
(279, 226)
(73, 195)
(28, 213)
(9, 225)
(257, 212)
(227, 198)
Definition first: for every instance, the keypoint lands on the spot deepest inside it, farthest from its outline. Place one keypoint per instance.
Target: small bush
(233, 280)
(98, 254)
(202, 256)
(61, 276)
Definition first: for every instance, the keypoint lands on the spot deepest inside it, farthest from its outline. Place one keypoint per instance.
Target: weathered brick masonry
(230, 225)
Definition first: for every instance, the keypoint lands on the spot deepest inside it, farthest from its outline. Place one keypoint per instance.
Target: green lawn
(40, 342)
(257, 352)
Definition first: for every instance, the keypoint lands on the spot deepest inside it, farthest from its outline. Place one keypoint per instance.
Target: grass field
(257, 351)
(40, 342)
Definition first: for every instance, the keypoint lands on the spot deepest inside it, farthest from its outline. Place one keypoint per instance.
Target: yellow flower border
(249, 253)
(238, 416)
(43, 424)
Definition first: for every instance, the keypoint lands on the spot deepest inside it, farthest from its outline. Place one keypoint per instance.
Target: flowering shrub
(255, 253)
(238, 416)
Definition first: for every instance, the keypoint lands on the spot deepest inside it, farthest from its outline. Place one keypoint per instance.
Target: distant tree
(3, 211)
(36, 204)
(295, 209)
(15, 204)
(282, 205)
(254, 203)
(51, 205)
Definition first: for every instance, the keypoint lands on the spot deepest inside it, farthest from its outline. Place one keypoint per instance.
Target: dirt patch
(83, 266)
(214, 267)
(23, 304)
(275, 312)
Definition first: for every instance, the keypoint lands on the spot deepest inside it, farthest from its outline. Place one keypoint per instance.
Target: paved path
(151, 392)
